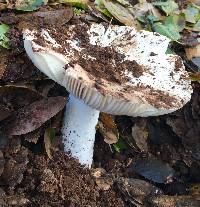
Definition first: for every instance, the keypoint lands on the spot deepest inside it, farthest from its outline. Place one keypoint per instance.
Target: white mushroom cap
(161, 88)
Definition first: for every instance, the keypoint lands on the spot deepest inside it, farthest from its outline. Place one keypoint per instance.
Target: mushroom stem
(79, 130)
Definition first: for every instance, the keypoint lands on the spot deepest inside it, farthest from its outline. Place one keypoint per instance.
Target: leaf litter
(144, 161)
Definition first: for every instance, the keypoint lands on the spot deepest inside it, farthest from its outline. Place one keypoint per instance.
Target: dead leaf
(174, 201)
(153, 169)
(47, 143)
(121, 13)
(60, 17)
(108, 128)
(140, 134)
(135, 190)
(33, 116)
(193, 52)
(143, 8)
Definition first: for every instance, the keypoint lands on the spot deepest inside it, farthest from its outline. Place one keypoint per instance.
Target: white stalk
(78, 130)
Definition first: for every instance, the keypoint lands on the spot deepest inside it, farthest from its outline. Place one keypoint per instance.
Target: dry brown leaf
(121, 13)
(192, 52)
(140, 134)
(108, 128)
(47, 143)
(33, 116)
(174, 201)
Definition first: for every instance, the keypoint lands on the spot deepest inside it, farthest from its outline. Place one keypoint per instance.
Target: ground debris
(33, 116)
(174, 201)
(136, 191)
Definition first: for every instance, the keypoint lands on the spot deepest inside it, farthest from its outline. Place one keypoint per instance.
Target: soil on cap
(106, 63)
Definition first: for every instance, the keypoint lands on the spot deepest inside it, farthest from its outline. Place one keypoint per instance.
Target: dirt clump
(62, 181)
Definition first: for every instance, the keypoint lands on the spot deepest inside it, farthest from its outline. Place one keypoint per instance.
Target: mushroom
(113, 69)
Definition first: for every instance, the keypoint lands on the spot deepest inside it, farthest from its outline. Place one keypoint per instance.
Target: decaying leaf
(29, 5)
(136, 191)
(121, 13)
(4, 41)
(174, 201)
(108, 128)
(61, 16)
(48, 137)
(153, 169)
(192, 52)
(140, 134)
(33, 116)
(191, 14)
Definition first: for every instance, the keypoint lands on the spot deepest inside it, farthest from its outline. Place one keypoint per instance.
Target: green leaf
(29, 5)
(191, 14)
(169, 6)
(176, 21)
(4, 41)
(81, 4)
(120, 145)
(168, 31)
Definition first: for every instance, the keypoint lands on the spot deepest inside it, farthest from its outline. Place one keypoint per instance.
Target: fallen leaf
(108, 128)
(29, 5)
(169, 6)
(4, 41)
(140, 134)
(175, 21)
(120, 145)
(60, 17)
(191, 14)
(48, 137)
(135, 190)
(33, 116)
(167, 30)
(153, 169)
(121, 13)
(174, 201)
(142, 9)
(192, 52)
